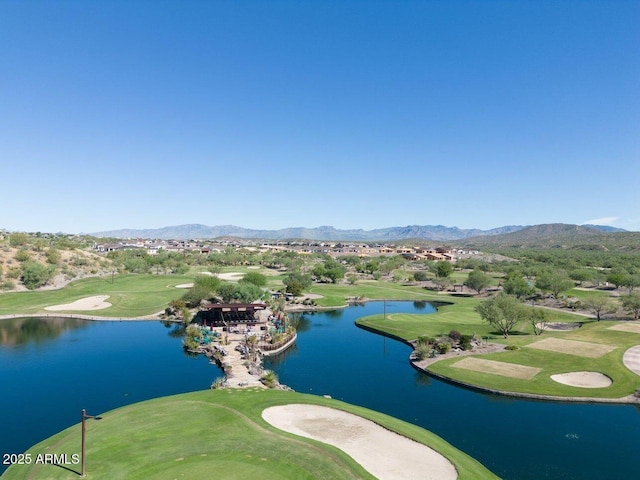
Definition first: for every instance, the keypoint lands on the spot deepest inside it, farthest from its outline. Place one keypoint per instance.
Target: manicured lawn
(461, 316)
(335, 294)
(130, 295)
(216, 434)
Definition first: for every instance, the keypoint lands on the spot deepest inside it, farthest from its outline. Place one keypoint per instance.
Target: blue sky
(356, 114)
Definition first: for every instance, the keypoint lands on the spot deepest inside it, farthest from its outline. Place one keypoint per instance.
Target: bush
(422, 352)
(511, 347)
(465, 342)
(443, 347)
(7, 285)
(22, 255)
(255, 278)
(269, 378)
(454, 335)
(35, 275)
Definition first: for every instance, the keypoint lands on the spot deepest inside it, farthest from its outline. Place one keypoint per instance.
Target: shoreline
(93, 318)
(422, 366)
(631, 399)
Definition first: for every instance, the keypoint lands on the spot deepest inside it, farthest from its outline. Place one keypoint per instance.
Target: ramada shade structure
(226, 314)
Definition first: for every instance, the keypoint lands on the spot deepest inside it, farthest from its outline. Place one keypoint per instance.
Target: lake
(51, 369)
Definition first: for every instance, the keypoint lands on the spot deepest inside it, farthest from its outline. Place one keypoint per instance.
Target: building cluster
(335, 249)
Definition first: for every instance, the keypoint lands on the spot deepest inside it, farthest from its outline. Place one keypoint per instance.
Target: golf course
(220, 434)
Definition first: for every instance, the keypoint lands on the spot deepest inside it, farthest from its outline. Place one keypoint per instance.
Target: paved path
(631, 359)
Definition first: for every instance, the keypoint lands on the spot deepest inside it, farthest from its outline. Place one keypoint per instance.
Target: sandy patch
(583, 379)
(185, 285)
(96, 302)
(498, 368)
(631, 359)
(627, 327)
(571, 347)
(384, 454)
(230, 276)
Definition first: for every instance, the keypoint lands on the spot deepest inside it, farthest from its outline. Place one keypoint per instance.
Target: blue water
(516, 439)
(50, 370)
(45, 382)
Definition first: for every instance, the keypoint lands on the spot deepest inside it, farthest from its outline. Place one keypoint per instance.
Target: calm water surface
(50, 370)
(516, 439)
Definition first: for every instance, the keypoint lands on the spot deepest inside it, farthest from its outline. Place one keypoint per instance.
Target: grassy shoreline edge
(175, 439)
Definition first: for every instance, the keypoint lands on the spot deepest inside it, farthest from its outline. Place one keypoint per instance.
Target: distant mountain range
(410, 232)
(560, 235)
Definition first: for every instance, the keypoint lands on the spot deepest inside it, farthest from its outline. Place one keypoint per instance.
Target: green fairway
(216, 434)
(460, 316)
(334, 295)
(130, 295)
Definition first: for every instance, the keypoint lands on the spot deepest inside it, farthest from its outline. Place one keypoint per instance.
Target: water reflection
(22, 331)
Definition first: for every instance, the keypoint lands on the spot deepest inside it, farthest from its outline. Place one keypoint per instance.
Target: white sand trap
(631, 327)
(185, 285)
(384, 454)
(497, 368)
(96, 302)
(631, 359)
(583, 379)
(572, 347)
(231, 276)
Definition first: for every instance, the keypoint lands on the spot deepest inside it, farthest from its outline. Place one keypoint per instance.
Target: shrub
(465, 342)
(423, 340)
(35, 275)
(269, 378)
(511, 347)
(454, 335)
(218, 383)
(7, 285)
(443, 347)
(422, 352)
(22, 255)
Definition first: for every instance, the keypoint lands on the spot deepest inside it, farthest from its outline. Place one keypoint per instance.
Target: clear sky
(355, 114)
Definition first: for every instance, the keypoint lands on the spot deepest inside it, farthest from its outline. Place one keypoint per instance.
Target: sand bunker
(627, 327)
(498, 368)
(96, 302)
(185, 285)
(230, 276)
(384, 454)
(583, 379)
(581, 349)
(631, 359)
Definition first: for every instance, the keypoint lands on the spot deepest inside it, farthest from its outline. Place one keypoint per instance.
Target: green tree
(420, 276)
(617, 278)
(255, 278)
(296, 282)
(599, 305)
(478, 280)
(539, 319)
(631, 304)
(443, 283)
(502, 312)
(581, 275)
(517, 285)
(443, 269)
(631, 282)
(554, 281)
